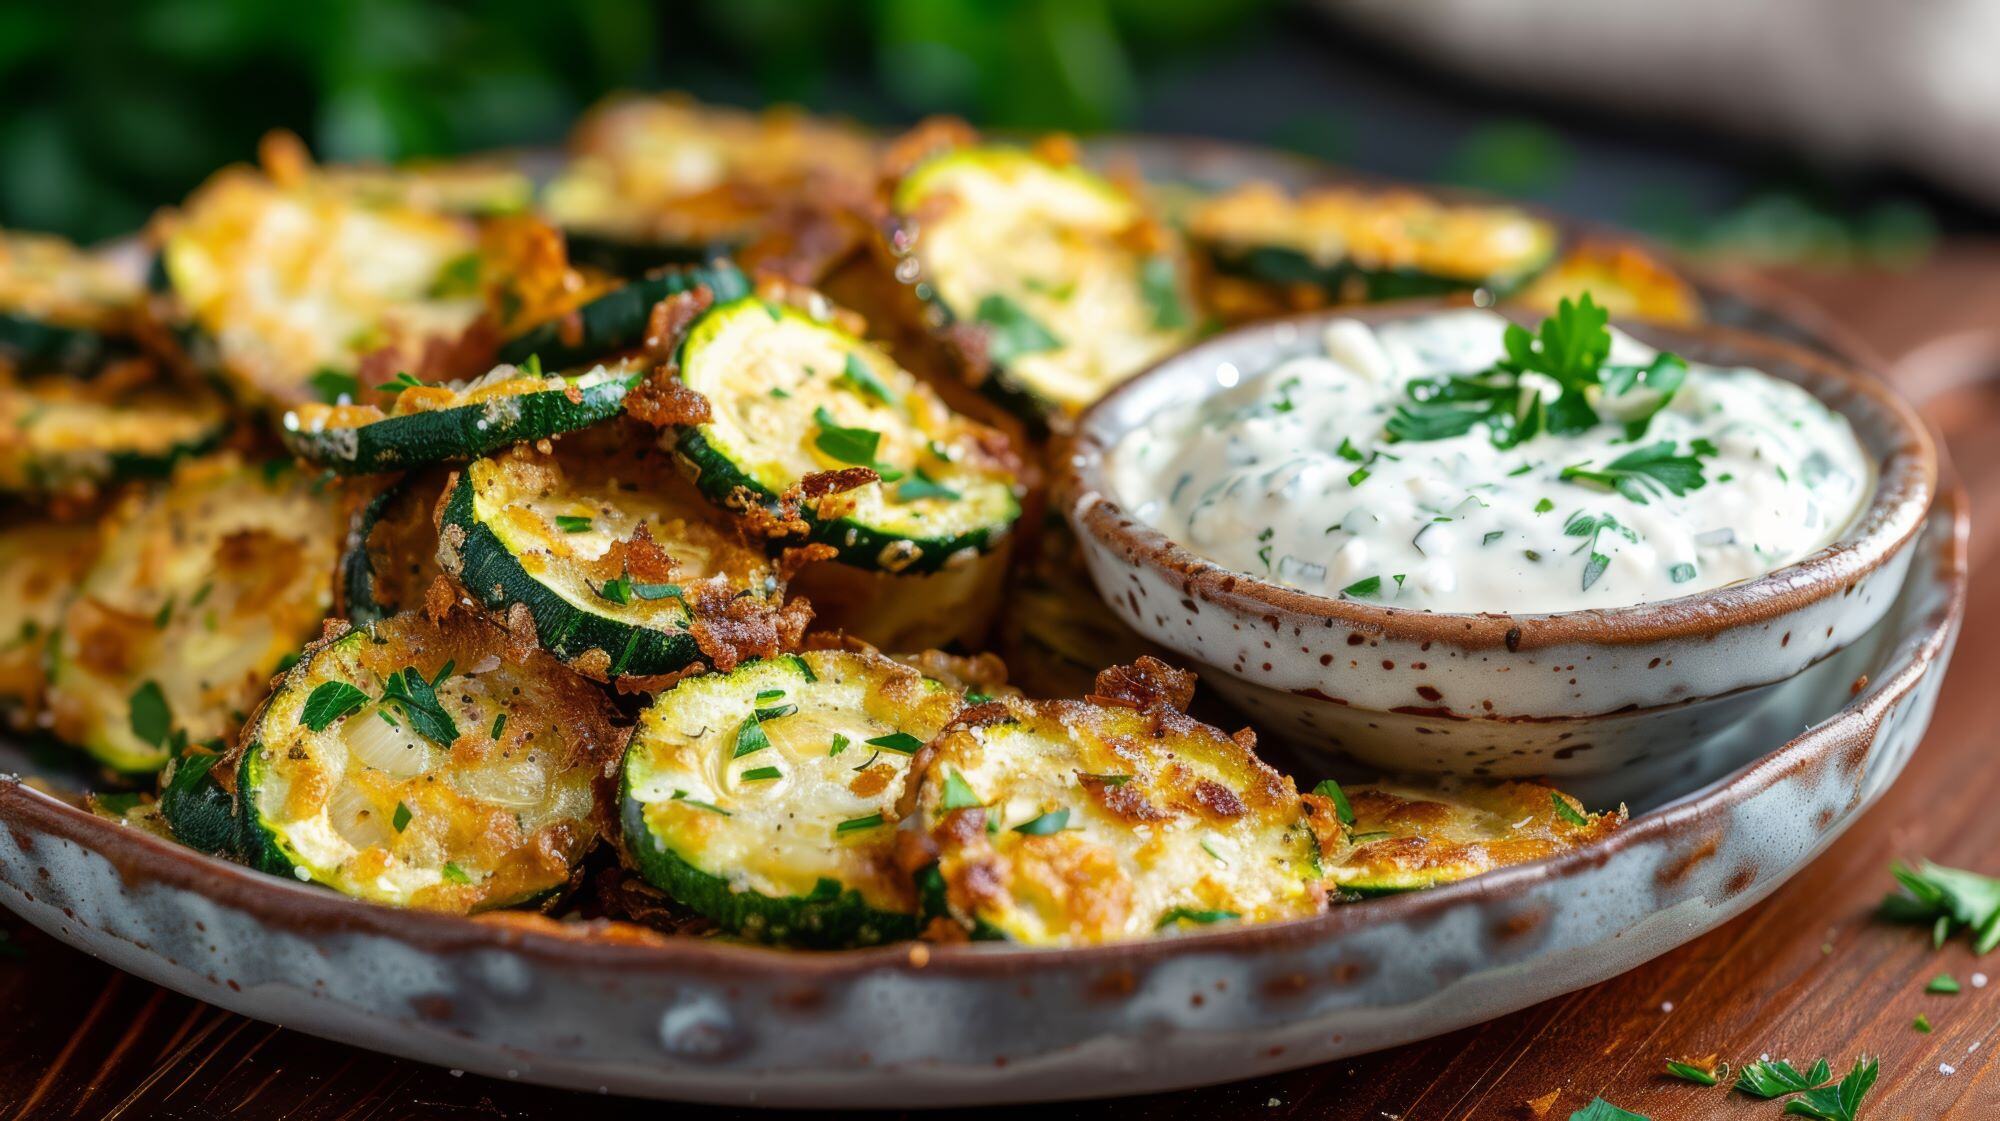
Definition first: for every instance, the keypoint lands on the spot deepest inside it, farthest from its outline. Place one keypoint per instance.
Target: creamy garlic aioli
(1289, 476)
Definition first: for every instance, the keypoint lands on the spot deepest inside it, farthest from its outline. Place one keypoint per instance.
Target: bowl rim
(33, 815)
(1906, 485)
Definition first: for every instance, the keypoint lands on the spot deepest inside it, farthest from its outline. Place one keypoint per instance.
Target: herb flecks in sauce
(1376, 454)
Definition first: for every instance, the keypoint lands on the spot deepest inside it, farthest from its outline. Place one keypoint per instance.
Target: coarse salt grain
(1979, 980)
(1947, 1068)
(1666, 1006)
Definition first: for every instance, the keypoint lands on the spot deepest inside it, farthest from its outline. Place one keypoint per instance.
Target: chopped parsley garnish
(856, 446)
(1644, 472)
(328, 702)
(1159, 283)
(762, 774)
(1208, 847)
(1681, 573)
(1054, 821)
(958, 793)
(804, 667)
(657, 591)
(618, 590)
(1357, 476)
(682, 796)
(769, 696)
(1492, 535)
(165, 615)
(572, 523)
(403, 380)
(401, 819)
(1922, 1023)
(1837, 1103)
(459, 277)
(1946, 899)
(1331, 791)
(1943, 984)
(1193, 915)
(1366, 586)
(923, 486)
(1544, 506)
(1566, 811)
(1011, 331)
(150, 718)
(840, 743)
(419, 702)
(1706, 1072)
(1569, 348)
(1774, 1078)
(858, 377)
(1348, 451)
(499, 725)
(750, 737)
(854, 823)
(455, 874)
(1105, 780)
(902, 743)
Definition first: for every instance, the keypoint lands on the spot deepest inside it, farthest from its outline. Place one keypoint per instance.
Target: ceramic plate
(916, 1025)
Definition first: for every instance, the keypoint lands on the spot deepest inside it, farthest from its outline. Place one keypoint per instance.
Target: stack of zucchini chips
(633, 548)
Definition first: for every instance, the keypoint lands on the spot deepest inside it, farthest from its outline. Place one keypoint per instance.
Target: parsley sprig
(1645, 472)
(1569, 348)
(419, 701)
(1946, 899)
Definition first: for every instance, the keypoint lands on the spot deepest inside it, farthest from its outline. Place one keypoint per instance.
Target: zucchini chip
(662, 180)
(795, 400)
(65, 438)
(1394, 838)
(295, 283)
(765, 798)
(200, 591)
(1068, 285)
(419, 764)
(1626, 281)
(1067, 823)
(617, 320)
(62, 310)
(390, 558)
(1353, 245)
(451, 423)
(618, 562)
(38, 566)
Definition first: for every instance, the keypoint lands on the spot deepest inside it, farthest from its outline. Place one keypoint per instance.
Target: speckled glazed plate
(904, 1026)
(918, 1025)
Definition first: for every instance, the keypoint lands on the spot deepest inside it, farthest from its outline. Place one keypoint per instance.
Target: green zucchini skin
(1275, 264)
(461, 432)
(830, 917)
(497, 579)
(616, 321)
(260, 847)
(356, 578)
(723, 480)
(36, 347)
(621, 256)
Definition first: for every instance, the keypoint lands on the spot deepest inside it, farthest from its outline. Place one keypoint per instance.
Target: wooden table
(1806, 973)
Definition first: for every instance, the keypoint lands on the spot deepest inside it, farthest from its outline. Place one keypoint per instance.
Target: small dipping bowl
(1570, 693)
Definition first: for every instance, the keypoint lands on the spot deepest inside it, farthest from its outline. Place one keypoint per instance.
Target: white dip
(1290, 475)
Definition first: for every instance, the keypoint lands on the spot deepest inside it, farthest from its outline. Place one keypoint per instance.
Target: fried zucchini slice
(1060, 275)
(294, 283)
(616, 321)
(476, 188)
(1404, 838)
(202, 588)
(452, 423)
(390, 558)
(617, 560)
(1069, 823)
(1628, 282)
(420, 764)
(793, 399)
(765, 798)
(62, 310)
(39, 562)
(663, 180)
(62, 437)
(1355, 245)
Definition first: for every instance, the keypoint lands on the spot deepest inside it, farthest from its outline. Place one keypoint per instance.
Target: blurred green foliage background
(115, 107)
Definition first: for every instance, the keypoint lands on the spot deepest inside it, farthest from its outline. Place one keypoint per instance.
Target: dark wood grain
(1807, 973)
